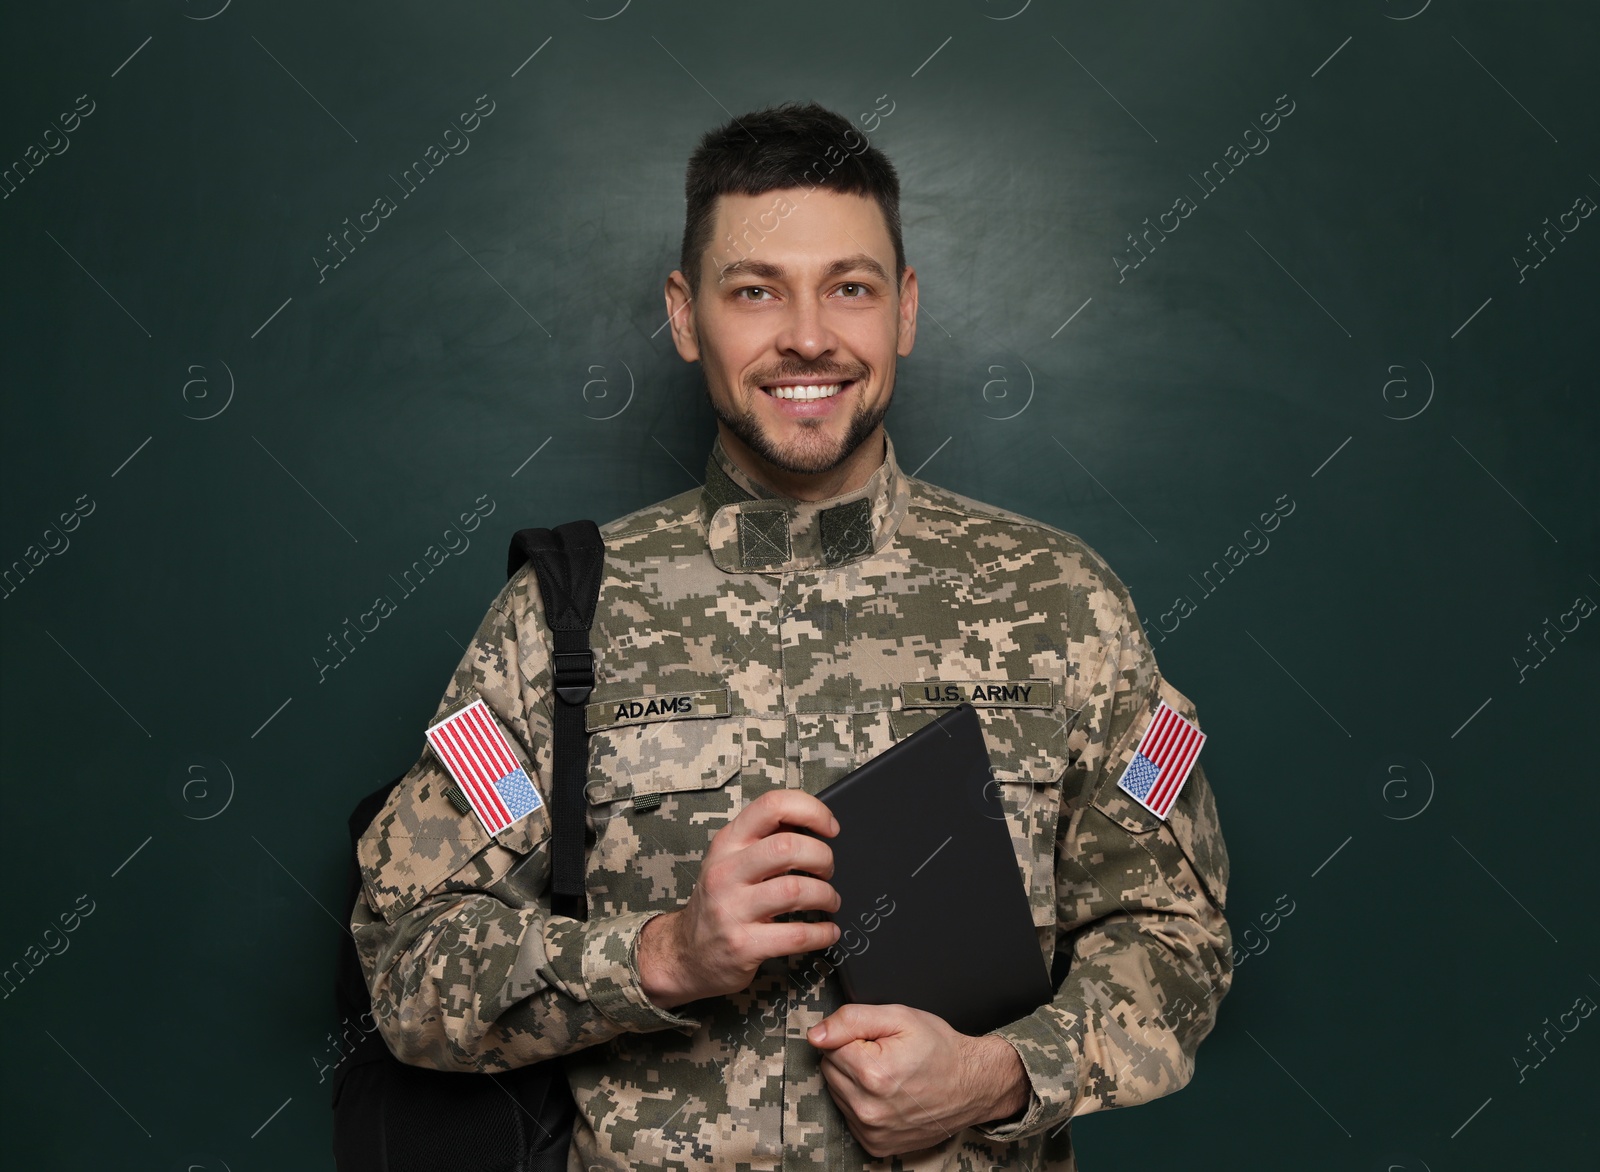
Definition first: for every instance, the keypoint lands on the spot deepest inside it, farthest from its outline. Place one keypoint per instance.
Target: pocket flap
(662, 756)
(1028, 755)
(1024, 743)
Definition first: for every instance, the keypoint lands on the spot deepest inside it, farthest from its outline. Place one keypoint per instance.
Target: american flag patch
(474, 750)
(1162, 761)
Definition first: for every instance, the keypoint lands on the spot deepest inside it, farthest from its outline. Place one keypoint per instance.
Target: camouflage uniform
(746, 642)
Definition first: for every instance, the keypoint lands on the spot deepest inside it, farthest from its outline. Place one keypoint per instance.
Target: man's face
(797, 327)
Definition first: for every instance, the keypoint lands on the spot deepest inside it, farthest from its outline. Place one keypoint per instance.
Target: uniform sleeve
(467, 967)
(1139, 909)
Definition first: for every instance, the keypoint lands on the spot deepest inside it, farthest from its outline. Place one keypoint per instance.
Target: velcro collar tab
(747, 533)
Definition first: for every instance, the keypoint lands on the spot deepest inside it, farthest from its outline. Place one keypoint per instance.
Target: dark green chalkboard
(220, 447)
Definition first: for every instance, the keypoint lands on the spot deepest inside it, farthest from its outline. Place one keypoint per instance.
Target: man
(757, 638)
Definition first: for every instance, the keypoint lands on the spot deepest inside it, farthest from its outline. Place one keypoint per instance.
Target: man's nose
(805, 330)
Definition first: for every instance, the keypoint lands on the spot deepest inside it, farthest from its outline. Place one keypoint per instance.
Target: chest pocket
(1027, 743)
(657, 791)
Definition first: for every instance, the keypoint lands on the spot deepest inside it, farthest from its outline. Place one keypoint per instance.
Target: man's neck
(853, 472)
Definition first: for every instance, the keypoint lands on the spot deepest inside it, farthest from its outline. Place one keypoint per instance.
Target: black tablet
(934, 911)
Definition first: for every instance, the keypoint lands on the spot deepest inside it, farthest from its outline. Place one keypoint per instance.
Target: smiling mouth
(808, 391)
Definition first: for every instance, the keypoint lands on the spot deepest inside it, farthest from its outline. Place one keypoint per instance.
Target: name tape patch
(641, 709)
(990, 693)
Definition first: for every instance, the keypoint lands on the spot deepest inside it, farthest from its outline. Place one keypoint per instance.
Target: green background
(512, 306)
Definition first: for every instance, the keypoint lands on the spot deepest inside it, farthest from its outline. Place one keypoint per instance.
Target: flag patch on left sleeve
(473, 748)
(1162, 761)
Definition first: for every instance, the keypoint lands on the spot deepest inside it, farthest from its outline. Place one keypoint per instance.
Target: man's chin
(806, 455)
(806, 451)
(807, 447)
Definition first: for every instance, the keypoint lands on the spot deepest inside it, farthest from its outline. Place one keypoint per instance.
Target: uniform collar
(751, 529)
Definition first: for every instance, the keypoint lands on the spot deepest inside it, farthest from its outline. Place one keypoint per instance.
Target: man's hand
(906, 1080)
(715, 943)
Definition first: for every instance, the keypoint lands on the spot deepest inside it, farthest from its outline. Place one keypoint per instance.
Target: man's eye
(854, 285)
(740, 294)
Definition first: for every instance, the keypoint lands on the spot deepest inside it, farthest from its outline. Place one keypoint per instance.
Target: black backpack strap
(569, 562)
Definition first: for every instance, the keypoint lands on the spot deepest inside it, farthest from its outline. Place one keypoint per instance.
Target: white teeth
(826, 391)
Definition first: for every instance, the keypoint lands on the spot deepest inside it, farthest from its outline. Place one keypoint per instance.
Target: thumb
(850, 1023)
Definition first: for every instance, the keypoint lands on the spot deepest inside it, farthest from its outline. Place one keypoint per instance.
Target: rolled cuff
(611, 975)
(1052, 1071)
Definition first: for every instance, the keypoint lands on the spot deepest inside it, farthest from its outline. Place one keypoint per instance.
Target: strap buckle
(573, 672)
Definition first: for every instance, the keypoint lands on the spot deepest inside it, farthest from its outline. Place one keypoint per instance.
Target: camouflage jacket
(746, 641)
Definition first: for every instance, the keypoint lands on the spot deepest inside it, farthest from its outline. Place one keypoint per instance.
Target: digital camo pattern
(818, 631)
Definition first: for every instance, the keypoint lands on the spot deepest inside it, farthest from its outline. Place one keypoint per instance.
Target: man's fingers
(860, 1084)
(791, 936)
(780, 852)
(747, 878)
(792, 893)
(776, 808)
(841, 1082)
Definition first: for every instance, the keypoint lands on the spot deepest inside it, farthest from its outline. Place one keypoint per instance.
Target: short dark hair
(792, 145)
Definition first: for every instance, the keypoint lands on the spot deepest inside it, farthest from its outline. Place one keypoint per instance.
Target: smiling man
(757, 637)
(800, 387)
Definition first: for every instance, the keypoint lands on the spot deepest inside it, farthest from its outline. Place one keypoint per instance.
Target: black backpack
(389, 1116)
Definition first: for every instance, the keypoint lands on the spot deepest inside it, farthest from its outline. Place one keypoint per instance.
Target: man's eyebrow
(768, 271)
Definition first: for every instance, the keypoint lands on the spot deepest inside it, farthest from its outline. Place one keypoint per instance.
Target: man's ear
(907, 325)
(680, 316)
